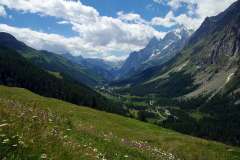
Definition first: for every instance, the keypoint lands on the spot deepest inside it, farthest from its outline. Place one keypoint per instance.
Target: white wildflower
(43, 156)
(5, 141)
(4, 125)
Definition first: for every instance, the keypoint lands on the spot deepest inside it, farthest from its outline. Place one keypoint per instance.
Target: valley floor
(34, 127)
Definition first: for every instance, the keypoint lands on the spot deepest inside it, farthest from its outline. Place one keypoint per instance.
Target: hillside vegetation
(17, 71)
(51, 61)
(34, 127)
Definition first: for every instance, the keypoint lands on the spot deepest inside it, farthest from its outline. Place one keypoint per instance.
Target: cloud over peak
(99, 35)
(197, 10)
(3, 13)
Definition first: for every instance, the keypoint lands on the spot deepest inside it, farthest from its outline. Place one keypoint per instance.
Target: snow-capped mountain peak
(158, 51)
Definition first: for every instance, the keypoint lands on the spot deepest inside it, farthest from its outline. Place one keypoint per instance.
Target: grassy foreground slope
(34, 127)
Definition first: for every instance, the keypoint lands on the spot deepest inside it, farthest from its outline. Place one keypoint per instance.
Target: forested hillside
(16, 71)
(52, 62)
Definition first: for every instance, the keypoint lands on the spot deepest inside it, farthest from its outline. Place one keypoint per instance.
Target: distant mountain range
(106, 70)
(88, 71)
(208, 63)
(94, 71)
(157, 52)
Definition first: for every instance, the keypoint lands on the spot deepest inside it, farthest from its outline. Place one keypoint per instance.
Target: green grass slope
(34, 127)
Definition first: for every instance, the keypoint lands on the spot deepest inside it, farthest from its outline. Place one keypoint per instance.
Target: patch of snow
(237, 102)
(167, 45)
(182, 66)
(199, 67)
(167, 112)
(154, 53)
(178, 33)
(229, 77)
(152, 56)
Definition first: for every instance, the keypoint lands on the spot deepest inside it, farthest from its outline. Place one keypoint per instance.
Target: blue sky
(146, 8)
(108, 29)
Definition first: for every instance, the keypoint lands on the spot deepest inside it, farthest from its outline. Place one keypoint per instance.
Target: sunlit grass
(34, 127)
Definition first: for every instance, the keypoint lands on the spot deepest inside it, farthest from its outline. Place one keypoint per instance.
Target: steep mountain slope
(169, 47)
(157, 52)
(106, 71)
(51, 61)
(206, 65)
(34, 127)
(17, 71)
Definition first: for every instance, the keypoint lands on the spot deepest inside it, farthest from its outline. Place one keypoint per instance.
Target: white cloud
(129, 17)
(203, 8)
(101, 34)
(63, 22)
(171, 20)
(211, 7)
(70, 10)
(187, 21)
(175, 4)
(3, 12)
(197, 10)
(50, 42)
(113, 58)
(159, 1)
(167, 21)
(75, 45)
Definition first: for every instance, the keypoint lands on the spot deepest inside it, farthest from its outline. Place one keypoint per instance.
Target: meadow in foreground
(35, 127)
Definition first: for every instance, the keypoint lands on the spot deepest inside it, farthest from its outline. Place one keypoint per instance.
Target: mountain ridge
(207, 60)
(16, 71)
(51, 61)
(155, 53)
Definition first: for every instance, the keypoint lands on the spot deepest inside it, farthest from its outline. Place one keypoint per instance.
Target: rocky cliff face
(217, 41)
(220, 39)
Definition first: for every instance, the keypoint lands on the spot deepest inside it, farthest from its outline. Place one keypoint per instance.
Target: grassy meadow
(35, 127)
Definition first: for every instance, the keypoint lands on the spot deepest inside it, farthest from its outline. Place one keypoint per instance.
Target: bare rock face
(217, 41)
